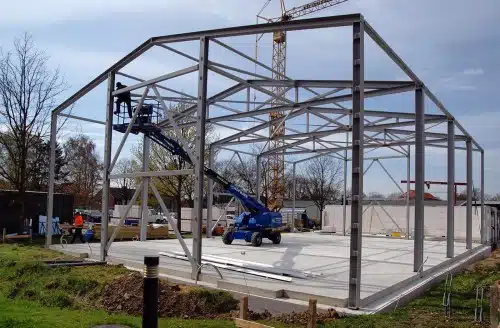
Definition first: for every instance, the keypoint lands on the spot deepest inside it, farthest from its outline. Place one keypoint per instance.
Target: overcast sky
(452, 45)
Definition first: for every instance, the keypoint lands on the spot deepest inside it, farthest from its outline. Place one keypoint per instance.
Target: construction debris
(258, 269)
(295, 318)
(125, 295)
(232, 267)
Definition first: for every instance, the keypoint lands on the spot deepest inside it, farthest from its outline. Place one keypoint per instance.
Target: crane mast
(276, 162)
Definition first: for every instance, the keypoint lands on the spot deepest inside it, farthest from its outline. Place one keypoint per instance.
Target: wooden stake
(312, 313)
(494, 304)
(244, 308)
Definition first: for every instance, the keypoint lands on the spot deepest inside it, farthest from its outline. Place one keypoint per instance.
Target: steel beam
(158, 86)
(123, 216)
(106, 166)
(174, 226)
(300, 24)
(258, 127)
(427, 134)
(418, 250)
(199, 157)
(151, 174)
(357, 167)
(191, 110)
(82, 119)
(450, 223)
(344, 84)
(468, 232)
(165, 77)
(178, 52)
(101, 78)
(405, 68)
(146, 146)
(52, 175)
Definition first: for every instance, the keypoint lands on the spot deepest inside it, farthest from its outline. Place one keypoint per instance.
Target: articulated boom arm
(173, 147)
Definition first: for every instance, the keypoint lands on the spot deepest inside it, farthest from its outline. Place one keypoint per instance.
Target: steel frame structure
(364, 130)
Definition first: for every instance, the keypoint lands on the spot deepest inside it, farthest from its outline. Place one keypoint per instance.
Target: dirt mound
(297, 318)
(125, 295)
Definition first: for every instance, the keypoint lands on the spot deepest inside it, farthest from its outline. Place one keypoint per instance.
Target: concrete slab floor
(385, 262)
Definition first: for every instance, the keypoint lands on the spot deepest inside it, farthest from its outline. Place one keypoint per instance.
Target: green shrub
(28, 268)
(217, 301)
(80, 285)
(56, 299)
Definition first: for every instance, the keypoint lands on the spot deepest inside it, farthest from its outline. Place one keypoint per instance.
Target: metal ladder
(447, 295)
(478, 311)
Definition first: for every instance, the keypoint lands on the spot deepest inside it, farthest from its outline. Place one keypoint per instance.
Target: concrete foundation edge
(416, 287)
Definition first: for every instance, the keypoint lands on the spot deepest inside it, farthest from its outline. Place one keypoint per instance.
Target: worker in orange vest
(78, 224)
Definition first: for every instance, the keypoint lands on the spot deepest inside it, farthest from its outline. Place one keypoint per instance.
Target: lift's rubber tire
(256, 239)
(276, 238)
(227, 237)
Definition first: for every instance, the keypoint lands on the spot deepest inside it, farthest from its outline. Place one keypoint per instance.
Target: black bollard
(151, 292)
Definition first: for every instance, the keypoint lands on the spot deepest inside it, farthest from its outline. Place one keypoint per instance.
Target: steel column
(146, 146)
(293, 195)
(199, 156)
(344, 195)
(468, 231)
(259, 176)
(107, 162)
(52, 173)
(210, 193)
(357, 166)
(408, 178)
(483, 217)
(450, 224)
(418, 256)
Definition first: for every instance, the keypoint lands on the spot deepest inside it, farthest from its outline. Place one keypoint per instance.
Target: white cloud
(31, 12)
(473, 71)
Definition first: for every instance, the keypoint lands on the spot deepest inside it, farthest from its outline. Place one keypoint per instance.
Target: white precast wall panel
(187, 215)
(376, 221)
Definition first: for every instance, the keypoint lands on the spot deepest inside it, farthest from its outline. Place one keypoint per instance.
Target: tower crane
(276, 162)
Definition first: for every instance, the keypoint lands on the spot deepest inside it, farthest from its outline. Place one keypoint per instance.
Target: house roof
(427, 196)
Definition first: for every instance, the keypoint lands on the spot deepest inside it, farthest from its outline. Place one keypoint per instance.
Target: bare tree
(123, 166)
(396, 195)
(496, 197)
(375, 195)
(476, 192)
(28, 90)
(83, 169)
(324, 177)
(243, 173)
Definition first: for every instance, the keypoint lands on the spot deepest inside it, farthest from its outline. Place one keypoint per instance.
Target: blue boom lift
(256, 223)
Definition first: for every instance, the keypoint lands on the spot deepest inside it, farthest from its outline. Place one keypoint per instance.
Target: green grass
(34, 295)
(26, 314)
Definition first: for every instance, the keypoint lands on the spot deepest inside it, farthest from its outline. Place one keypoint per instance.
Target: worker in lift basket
(78, 224)
(123, 98)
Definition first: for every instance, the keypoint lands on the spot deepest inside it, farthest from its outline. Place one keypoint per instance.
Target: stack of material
(129, 232)
(252, 268)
